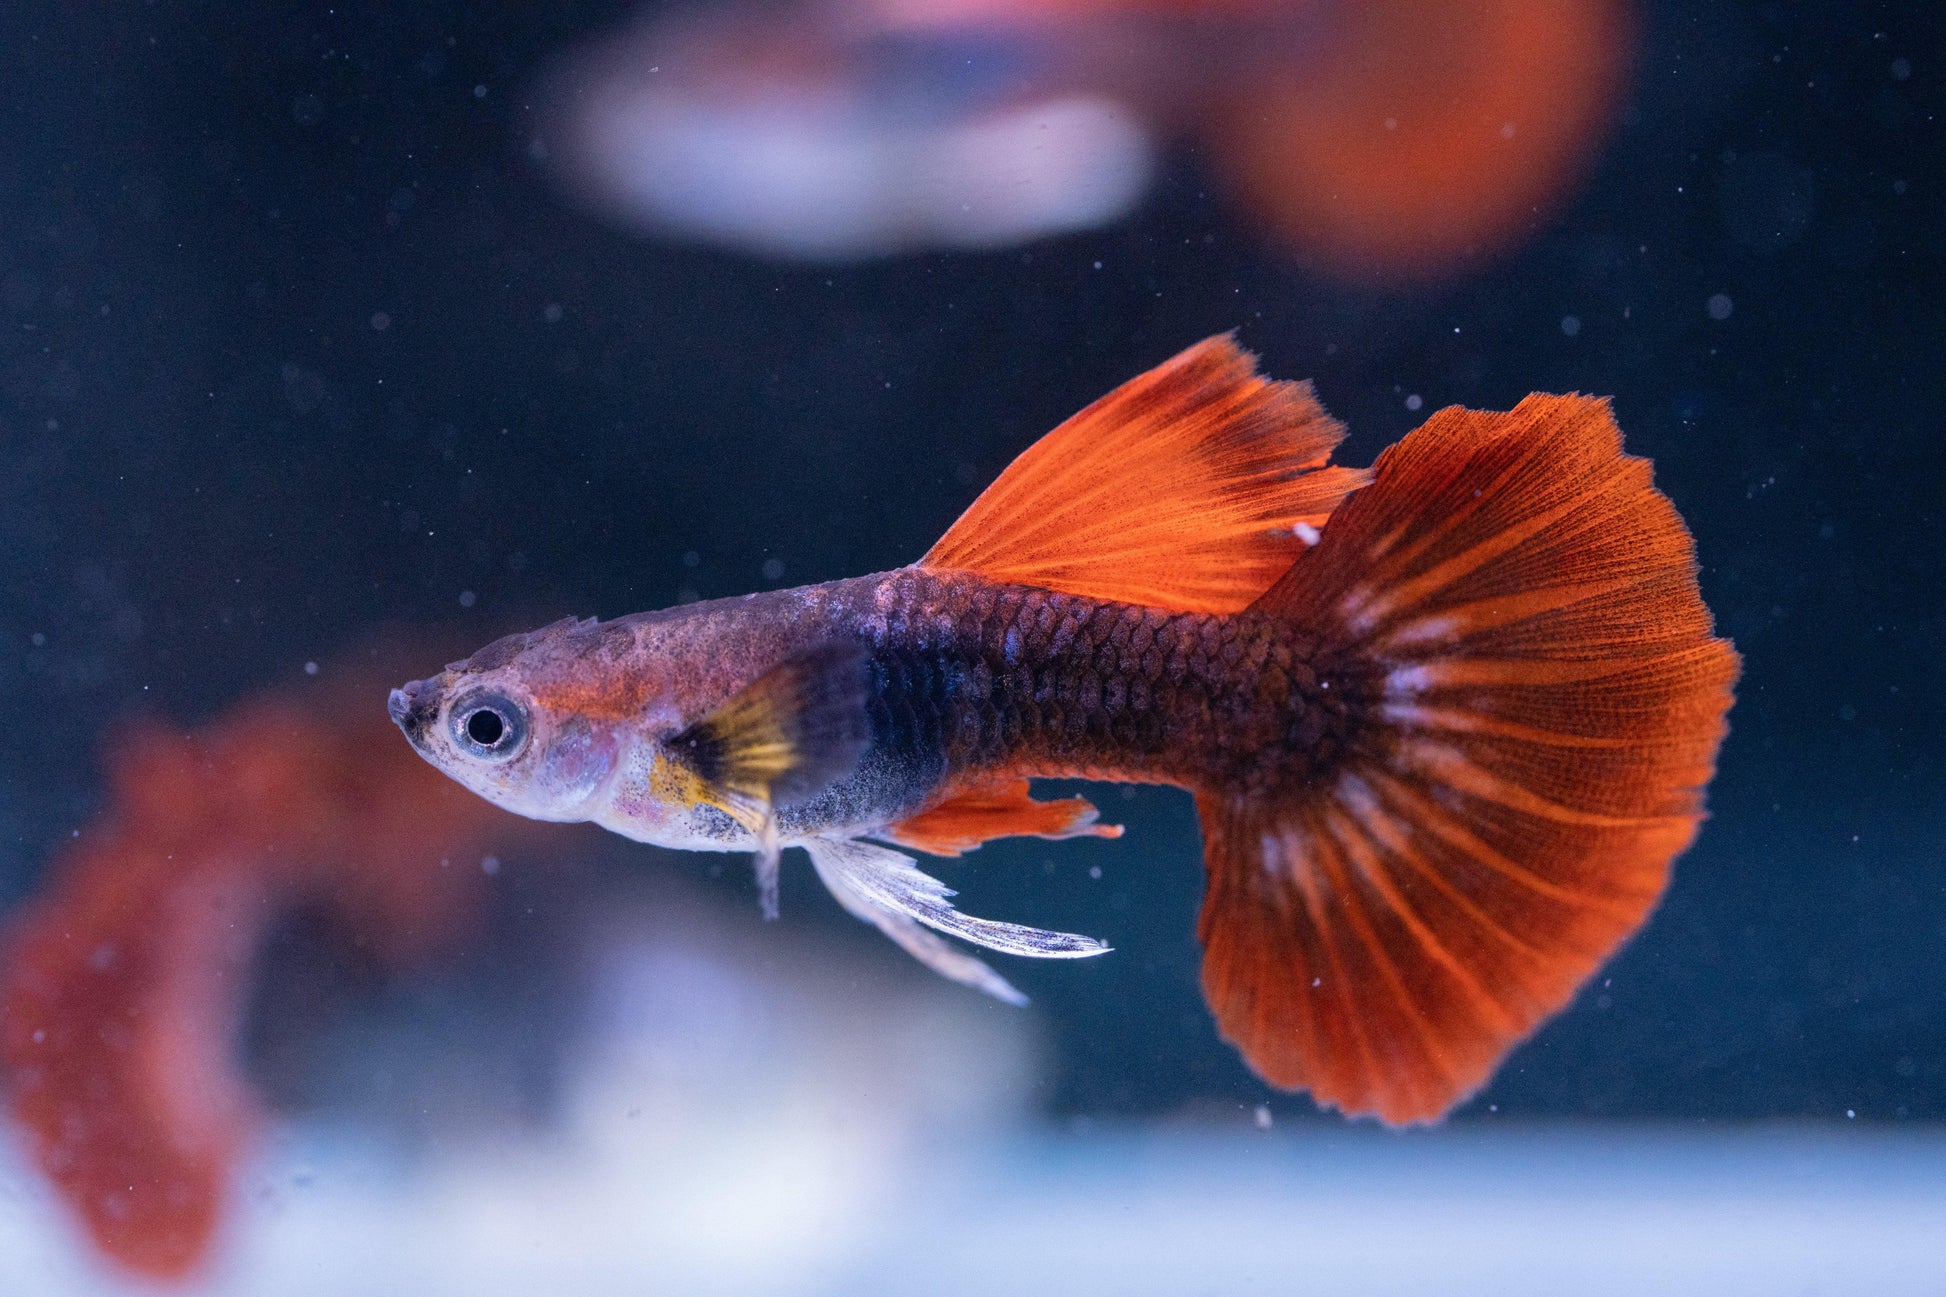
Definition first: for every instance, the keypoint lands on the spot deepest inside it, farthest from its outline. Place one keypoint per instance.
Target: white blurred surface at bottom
(1759, 1211)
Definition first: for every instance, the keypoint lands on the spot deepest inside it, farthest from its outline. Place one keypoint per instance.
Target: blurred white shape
(741, 1113)
(805, 171)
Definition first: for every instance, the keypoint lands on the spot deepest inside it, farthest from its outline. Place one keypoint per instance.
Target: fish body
(1447, 722)
(967, 682)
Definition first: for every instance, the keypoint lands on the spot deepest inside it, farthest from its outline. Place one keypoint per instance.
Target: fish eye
(489, 725)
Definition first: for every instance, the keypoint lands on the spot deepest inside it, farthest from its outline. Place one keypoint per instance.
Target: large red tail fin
(1533, 705)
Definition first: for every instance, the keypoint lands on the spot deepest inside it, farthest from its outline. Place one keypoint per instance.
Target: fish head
(522, 723)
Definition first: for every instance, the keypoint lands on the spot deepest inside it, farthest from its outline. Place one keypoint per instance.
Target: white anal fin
(886, 889)
(922, 944)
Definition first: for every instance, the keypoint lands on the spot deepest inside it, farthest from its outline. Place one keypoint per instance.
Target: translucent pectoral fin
(767, 861)
(886, 889)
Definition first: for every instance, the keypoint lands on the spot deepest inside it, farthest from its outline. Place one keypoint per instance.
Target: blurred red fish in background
(124, 982)
(1376, 139)
(623, 1076)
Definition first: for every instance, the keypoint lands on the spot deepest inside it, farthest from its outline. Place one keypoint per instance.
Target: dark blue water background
(294, 342)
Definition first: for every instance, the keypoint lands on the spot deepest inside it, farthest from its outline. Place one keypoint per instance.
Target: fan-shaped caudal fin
(1182, 488)
(1532, 703)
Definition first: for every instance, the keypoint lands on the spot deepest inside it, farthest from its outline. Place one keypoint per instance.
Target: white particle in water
(1570, 324)
(1262, 1116)
(310, 668)
(467, 598)
(1720, 306)
(1414, 401)
(489, 865)
(773, 569)
(1094, 871)
(381, 321)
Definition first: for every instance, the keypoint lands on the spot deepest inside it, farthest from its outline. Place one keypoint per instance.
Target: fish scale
(1066, 685)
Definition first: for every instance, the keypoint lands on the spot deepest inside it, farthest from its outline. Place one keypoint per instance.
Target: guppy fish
(1447, 721)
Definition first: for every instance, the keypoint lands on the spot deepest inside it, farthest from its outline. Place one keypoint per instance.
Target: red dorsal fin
(1532, 702)
(1179, 489)
(1001, 809)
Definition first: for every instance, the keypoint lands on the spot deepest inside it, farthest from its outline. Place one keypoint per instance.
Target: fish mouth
(413, 708)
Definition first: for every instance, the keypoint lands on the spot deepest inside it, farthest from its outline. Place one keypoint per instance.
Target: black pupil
(485, 727)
